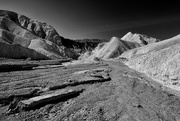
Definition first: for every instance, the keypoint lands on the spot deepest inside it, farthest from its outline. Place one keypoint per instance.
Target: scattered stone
(81, 72)
(90, 71)
(48, 66)
(91, 76)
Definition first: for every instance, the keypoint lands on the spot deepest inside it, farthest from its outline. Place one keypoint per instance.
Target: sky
(77, 19)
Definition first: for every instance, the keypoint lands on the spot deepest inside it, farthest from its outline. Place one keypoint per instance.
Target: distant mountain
(152, 47)
(139, 38)
(116, 46)
(23, 37)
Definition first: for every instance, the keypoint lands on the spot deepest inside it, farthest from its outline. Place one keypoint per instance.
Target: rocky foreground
(39, 80)
(104, 91)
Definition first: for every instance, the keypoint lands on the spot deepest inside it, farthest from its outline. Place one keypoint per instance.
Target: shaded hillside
(81, 44)
(17, 51)
(39, 36)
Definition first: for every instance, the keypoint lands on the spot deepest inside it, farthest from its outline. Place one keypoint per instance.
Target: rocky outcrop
(39, 100)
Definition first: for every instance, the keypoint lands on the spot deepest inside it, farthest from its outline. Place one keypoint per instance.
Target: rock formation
(139, 38)
(111, 49)
(152, 47)
(159, 61)
(116, 46)
(34, 37)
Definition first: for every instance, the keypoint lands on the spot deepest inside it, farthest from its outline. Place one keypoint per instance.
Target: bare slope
(116, 46)
(152, 47)
(139, 38)
(17, 51)
(30, 33)
(160, 61)
(111, 49)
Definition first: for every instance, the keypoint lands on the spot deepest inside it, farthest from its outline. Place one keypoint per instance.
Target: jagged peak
(127, 36)
(139, 38)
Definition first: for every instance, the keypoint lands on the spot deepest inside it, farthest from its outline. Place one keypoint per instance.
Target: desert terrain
(104, 91)
(46, 77)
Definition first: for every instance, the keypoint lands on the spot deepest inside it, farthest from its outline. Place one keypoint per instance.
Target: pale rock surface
(159, 61)
(116, 46)
(111, 49)
(139, 38)
(151, 47)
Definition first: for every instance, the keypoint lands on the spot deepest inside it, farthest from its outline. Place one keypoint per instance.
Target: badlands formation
(23, 37)
(132, 78)
(157, 59)
(116, 46)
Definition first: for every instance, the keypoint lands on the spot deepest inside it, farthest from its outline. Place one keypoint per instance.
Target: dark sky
(101, 18)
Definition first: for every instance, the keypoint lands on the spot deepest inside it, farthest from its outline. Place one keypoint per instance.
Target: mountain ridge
(19, 29)
(117, 46)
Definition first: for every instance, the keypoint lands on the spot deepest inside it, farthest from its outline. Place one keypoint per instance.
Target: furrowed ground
(105, 91)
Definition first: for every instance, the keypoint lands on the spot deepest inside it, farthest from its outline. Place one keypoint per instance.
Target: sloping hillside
(37, 36)
(116, 46)
(160, 61)
(139, 38)
(152, 47)
(111, 49)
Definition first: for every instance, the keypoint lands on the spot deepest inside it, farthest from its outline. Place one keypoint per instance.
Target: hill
(159, 61)
(36, 40)
(116, 46)
(152, 47)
